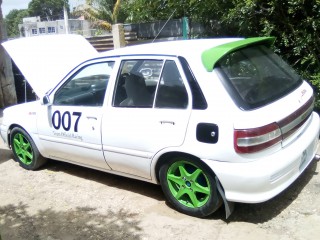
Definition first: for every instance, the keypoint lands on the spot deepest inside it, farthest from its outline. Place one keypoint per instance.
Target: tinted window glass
(141, 81)
(198, 99)
(87, 87)
(137, 83)
(171, 92)
(258, 75)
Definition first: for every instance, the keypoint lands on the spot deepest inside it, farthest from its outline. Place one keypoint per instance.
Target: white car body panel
(39, 58)
(83, 146)
(130, 141)
(23, 115)
(276, 110)
(127, 144)
(259, 180)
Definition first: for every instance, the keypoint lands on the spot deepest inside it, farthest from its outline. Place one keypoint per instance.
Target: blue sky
(8, 5)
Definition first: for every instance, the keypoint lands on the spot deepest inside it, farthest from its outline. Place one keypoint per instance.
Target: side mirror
(45, 100)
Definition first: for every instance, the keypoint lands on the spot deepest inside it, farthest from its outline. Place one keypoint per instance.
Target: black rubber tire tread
(37, 161)
(213, 203)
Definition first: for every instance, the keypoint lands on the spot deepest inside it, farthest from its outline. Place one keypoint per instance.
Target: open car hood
(46, 60)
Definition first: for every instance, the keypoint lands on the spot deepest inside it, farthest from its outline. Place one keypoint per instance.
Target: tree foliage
(48, 10)
(201, 10)
(102, 13)
(295, 24)
(111, 10)
(13, 19)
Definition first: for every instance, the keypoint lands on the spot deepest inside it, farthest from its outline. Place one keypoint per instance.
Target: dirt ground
(64, 201)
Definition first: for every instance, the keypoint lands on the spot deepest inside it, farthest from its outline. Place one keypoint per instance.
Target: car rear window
(255, 76)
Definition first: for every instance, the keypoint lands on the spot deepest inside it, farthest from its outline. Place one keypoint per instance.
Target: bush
(315, 81)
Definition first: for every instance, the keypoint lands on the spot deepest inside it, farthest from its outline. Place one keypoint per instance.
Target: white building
(32, 26)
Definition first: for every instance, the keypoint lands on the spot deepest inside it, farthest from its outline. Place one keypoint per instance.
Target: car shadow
(108, 179)
(251, 213)
(263, 212)
(77, 223)
(5, 155)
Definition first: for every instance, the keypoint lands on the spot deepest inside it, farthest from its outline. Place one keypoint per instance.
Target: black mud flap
(229, 206)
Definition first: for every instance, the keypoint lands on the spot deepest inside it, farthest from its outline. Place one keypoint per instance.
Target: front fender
(23, 116)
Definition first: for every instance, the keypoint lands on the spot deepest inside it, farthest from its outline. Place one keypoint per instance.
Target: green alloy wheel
(25, 151)
(189, 186)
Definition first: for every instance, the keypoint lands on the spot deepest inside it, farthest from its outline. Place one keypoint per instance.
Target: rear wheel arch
(192, 188)
(167, 156)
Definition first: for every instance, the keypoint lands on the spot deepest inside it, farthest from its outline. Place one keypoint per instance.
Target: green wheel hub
(23, 149)
(188, 184)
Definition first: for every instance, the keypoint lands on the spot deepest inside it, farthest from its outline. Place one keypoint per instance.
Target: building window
(42, 30)
(51, 29)
(34, 31)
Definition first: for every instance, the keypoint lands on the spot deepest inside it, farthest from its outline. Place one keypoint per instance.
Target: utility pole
(66, 18)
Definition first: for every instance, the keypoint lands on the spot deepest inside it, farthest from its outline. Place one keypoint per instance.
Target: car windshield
(256, 76)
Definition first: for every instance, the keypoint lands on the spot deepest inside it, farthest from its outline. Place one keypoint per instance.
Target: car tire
(25, 151)
(190, 186)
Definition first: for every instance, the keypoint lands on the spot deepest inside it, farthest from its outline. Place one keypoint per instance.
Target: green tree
(13, 19)
(295, 24)
(145, 11)
(102, 13)
(208, 12)
(201, 10)
(48, 10)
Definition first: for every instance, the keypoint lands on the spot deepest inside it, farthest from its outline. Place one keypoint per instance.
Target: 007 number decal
(65, 120)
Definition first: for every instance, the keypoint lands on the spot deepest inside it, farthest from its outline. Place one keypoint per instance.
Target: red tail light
(256, 139)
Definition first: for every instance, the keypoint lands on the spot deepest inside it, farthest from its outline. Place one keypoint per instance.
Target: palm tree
(102, 13)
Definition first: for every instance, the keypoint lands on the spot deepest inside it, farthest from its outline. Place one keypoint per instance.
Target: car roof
(173, 48)
(62, 52)
(208, 51)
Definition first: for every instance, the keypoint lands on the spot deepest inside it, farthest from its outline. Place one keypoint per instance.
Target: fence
(134, 34)
(147, 32)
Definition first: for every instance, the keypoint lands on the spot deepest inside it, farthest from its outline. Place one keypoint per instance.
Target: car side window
(137, 83)
(87, 87)
(171, 92)
(140, 81)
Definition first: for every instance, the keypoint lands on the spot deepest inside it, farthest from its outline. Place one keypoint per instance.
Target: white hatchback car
(212, 121)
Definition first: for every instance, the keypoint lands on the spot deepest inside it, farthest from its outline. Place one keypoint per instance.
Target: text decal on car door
(65, 120)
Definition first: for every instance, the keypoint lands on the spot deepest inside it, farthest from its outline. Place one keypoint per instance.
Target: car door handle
(92, 117)
(167, 122)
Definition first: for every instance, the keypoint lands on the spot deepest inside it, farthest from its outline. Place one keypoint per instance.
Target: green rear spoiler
(211, 56)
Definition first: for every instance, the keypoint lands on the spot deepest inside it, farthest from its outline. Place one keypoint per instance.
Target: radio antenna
(164, 25)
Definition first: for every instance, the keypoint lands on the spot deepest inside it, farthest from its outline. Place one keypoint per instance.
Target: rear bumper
(266, 177)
